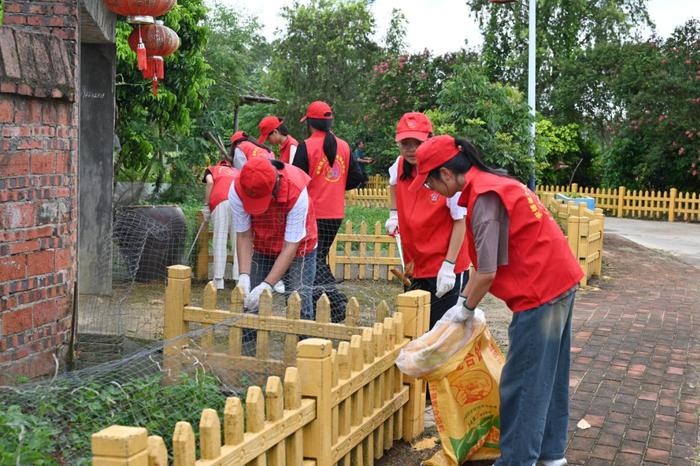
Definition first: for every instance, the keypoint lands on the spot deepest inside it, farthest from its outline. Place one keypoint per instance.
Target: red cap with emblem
(413, 125)
(432, 154)
(318, 110)
(266, 126)
(255, 185)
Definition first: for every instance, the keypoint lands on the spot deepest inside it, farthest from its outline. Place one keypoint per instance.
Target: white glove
(252, 301)
(206, 213)
(392, 223)
(279, 287)
(445, 279)
(458, 313)
(244, 283)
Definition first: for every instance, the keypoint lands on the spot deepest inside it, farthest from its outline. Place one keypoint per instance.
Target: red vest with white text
(327, 187)
(425, 225)
(223, 174)
(268, 227)
(286, 147)
(540, 263)
(251, 150)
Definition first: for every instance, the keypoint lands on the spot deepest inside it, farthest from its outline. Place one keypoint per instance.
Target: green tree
(326, 52)
(493, 116)
(152, 128)
(657, 143)
(563, 28)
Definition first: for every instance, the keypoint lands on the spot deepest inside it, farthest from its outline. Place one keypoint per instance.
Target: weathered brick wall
(38, 183)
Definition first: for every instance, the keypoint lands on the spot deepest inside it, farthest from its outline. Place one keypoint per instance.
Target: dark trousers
(325, 280)
(438, 306)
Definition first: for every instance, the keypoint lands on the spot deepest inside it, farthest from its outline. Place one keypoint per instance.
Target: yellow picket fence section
(377, 182)
(343, 405)
(368, 197)
(584, 229)
(363, 255)
(668, 205)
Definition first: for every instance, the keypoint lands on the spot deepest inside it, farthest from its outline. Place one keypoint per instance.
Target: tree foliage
(563, 28)
(657, 144)
(325, 53)
(150, 127)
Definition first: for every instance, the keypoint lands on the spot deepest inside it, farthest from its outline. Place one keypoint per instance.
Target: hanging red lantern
(139, 11)
(156, 41)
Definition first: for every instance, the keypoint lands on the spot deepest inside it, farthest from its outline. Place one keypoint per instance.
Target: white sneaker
(219, 283)
(559, 462)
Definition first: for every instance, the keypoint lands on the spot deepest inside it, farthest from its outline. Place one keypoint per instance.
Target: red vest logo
(334, 173)
(434, 197)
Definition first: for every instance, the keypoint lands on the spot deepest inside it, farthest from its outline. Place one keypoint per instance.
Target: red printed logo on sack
(473, 385)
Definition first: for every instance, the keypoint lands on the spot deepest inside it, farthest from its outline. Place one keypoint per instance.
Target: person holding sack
(244, 148)
(326, 159)
(276, 228)
(432, 227)
(272, 128)
(218, 179)
(521, 256)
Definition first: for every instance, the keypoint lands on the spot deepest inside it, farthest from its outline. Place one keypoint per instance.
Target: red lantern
(140, 11)
(156, 41)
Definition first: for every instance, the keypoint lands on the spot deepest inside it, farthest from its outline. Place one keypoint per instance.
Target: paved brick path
(636, 362)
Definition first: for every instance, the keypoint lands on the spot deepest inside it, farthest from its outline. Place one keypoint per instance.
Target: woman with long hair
(245, 147)
(521, 256)
(431, 227)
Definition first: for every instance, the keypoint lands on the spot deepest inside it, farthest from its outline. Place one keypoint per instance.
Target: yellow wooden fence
(368, 197)
(668, 205)
(343, 405)
(363, 255)
(584, 229)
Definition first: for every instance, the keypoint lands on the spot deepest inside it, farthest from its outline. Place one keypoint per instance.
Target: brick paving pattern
(635, 361)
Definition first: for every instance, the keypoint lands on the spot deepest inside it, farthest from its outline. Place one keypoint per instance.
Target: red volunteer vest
(425, 225)
(286, 147)
(540, 263)
(268, 227)
(251, 150)
(327, 187)
(223, 174)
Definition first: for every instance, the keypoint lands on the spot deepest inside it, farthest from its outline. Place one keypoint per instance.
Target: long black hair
(330, 144)
(469, 156)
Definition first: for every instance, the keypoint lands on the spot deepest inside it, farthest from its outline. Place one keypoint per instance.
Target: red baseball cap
(255, 185)
(413, 125)
(432, 154)
(266, 126)
(238, 135)
(319, 110)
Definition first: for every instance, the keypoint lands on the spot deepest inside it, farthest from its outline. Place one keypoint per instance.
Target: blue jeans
(299, 277)
(534, 387)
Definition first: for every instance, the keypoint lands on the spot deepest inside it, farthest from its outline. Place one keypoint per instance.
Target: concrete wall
(97, 69)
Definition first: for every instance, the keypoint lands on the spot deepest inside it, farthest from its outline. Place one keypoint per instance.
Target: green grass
(370, 215)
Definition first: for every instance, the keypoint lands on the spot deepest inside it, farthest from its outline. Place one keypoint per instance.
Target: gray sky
(443, 25)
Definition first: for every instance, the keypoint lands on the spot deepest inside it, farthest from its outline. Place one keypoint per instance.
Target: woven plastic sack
(462, 364)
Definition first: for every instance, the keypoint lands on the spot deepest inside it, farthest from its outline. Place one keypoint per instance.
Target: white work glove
(458, 312)
(244, 283)
(252, 301)
(445, 279)
(279, 287)
(392, 223)
(205, 213)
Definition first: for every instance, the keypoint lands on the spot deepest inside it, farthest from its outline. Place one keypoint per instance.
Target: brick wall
(38, 184)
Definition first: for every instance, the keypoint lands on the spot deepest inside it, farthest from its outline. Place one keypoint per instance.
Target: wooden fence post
(620, 201)
(120, 446)
(572, 233)
(315, 367)
(203, 250)
(574, 187)
(599, 263)
(415, 309)
(177, 295)
(672, 205)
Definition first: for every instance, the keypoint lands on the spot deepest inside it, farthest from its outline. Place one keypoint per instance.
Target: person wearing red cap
(273, 129)
(276, 228)
(521, 256)
(218, 179)
(244, 148)
(326, 159)
(439, 264)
